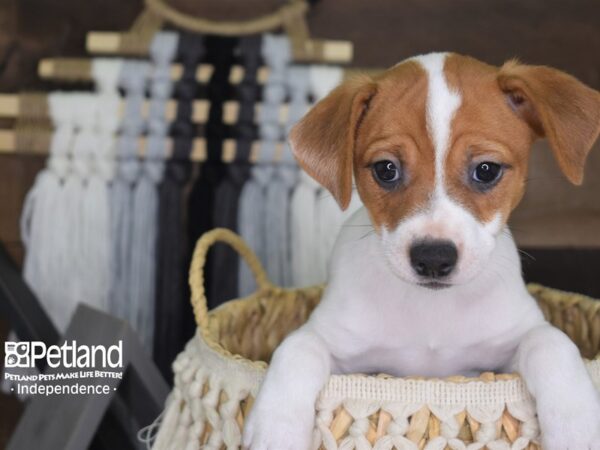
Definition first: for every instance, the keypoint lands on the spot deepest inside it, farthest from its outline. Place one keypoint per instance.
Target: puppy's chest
(410, 357)
(417, 343)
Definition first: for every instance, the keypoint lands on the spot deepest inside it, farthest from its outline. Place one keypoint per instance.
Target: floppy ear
(323, 141)
(558, 107)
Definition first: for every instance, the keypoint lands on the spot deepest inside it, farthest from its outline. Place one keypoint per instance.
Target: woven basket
(218, 375)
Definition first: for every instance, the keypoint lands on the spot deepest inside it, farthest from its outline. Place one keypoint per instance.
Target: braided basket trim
(470, 392)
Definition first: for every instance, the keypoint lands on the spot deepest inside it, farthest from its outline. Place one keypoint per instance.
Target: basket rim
(486, 389)
(207, 332)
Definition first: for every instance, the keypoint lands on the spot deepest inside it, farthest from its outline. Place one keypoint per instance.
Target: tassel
(172, 295)
(145, 197)
(143, 241)
(202, 200)
(128, 171)
(227, 199)
(98, 146)
(276, 52)
(277, 218)
(43, 266)
(133, 79)
(251, 219)
(225, 260)
(72, 221)
(304, 232)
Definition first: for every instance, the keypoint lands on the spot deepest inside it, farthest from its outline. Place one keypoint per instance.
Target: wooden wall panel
(17, 174)
(554, 32)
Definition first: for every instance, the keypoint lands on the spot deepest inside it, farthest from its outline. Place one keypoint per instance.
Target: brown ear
(558, 107)
(323, 141)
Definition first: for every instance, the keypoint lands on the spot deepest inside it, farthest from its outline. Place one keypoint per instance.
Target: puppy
(438, 146)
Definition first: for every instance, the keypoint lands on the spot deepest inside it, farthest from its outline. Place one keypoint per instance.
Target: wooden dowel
(8, 144)
(103, 42)
(8, 141)
(338, 51)
(80, 69)
(231, 110)
(10, 107)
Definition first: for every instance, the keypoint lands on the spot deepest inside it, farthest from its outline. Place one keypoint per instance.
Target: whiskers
(524, 253)
(368, 233)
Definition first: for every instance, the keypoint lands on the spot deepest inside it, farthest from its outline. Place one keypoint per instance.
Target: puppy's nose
(433, 259)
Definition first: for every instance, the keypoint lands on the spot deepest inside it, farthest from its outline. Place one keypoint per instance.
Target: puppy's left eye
(487, 173)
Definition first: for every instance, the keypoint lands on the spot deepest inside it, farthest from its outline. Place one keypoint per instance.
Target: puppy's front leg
(567, 403)
(283, 414)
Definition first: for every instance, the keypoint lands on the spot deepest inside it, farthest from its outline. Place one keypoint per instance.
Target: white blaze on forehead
(442, 103)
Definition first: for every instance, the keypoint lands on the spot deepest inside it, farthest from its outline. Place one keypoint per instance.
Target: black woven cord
(249, 90)
(225, 261)
(172, 293)
(202, 201)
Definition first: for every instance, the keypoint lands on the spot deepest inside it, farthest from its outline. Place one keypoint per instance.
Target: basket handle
(196, 278)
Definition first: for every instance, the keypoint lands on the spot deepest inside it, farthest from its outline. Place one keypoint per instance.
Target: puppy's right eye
(386, 173)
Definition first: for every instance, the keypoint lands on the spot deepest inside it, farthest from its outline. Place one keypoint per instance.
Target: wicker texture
(219, 373)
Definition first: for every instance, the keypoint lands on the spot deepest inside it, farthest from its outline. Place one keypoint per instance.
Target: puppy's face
(438, 146)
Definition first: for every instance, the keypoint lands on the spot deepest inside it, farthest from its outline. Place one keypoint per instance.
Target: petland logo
(68, 355)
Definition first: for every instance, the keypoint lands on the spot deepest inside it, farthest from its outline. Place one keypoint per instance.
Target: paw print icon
(16, 354)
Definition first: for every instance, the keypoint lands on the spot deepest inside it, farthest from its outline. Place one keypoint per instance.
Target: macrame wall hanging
(187, 135)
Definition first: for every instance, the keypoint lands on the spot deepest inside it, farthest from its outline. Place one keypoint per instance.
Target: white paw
(278, 427)
(578, 432)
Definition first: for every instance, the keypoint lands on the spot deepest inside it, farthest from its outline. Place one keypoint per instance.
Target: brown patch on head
(484, 128)
(502, 112)
(395, 128)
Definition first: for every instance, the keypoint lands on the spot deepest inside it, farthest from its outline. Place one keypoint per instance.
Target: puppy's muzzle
(433, 260)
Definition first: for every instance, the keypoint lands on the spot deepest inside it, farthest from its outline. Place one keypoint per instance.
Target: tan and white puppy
(438, 146)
